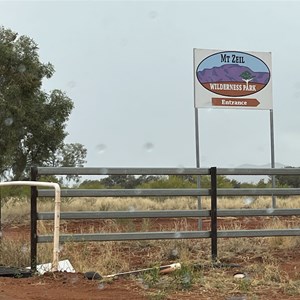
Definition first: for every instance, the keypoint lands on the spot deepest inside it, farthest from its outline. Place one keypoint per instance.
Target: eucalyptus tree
(32, 121)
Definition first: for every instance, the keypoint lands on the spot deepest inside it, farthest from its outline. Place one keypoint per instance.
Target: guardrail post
(213, 214)
(33, 220)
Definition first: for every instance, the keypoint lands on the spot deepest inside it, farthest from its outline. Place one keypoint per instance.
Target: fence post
(33, 221)
(213, 214)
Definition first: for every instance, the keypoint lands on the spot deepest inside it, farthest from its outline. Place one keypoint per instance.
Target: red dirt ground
(75, 286)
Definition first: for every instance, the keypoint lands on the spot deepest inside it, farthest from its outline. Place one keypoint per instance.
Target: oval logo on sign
(233, 73)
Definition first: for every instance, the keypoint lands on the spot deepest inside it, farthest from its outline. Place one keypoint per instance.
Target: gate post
(213, 214)
(33, 221)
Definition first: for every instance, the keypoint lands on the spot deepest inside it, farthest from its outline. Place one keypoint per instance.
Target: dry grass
(263, 269)
(15, 252)
(18, 209)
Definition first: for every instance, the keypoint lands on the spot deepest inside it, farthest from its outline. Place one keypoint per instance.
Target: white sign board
(232, 79)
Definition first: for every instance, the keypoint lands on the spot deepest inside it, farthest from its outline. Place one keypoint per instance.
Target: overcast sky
(128, 67)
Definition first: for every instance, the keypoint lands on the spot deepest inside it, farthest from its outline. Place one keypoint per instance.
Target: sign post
(233, 80)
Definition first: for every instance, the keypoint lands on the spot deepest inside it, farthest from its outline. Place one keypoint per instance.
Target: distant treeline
(172, 181)
(157, 182)
(185, 181)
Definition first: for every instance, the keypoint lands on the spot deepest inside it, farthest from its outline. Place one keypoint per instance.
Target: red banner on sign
(240, 102)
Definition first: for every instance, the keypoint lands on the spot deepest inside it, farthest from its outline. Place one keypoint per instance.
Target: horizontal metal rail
(258, 212)
(126, 192)
(126, 236)
(258, 171)
(164, 171)
(94, 237)
(169, 192)
(168, 214)
(121, 171)
(259, 192)
(258, 233)
(126, 214)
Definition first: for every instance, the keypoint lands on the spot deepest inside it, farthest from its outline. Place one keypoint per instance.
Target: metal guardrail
(127, 193)
(213, 213)
(121, 171)
(169, 214)
(165, 171)
(101, 237)
(170, 192)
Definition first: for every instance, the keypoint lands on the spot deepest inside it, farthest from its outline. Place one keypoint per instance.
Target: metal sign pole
(197, 141)
(272, 155)
(198, 164)
(247, 85)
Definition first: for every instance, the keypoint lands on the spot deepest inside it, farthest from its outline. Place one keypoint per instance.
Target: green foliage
(151, 277)
(288, 181)
(184, 277)
(165, 182)
(247, 185)
(68, 155)
(247, 75)
(13, 191)
(119, 181)
(32, 122)
(91, 184)
(224, 182)
(244, 285)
